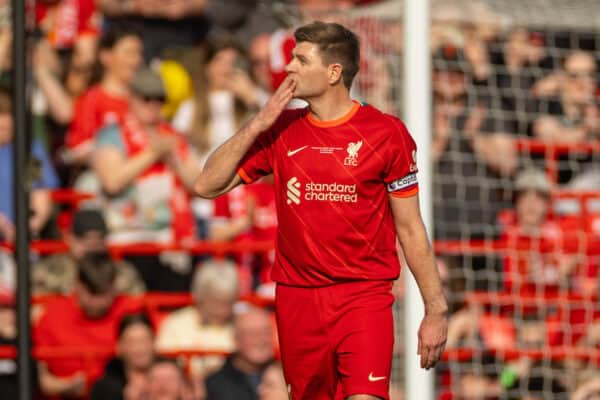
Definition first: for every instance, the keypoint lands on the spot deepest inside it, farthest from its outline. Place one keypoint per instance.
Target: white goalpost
(417, 117)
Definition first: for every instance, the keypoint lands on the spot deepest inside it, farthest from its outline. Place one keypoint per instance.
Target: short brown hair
(97, 272)
(336, 44)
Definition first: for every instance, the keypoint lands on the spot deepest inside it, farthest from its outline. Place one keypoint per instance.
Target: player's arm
(419, 256)
(220, 171)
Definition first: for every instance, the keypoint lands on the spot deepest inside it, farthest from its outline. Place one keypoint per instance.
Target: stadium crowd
(128, 98)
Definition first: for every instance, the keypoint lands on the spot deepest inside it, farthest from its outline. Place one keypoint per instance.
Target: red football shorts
(336, 341)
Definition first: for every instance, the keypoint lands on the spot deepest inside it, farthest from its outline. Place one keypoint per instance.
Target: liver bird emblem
(353, 149)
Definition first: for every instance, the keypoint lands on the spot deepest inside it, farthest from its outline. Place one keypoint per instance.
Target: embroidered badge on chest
(352, 150)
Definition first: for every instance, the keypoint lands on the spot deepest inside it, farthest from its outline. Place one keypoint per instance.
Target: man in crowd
(240, 376)
(86, 321)
(57, 274)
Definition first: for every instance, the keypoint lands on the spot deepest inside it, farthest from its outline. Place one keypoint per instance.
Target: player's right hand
(276, 104)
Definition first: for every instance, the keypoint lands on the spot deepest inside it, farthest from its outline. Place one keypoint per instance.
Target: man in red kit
(87, 319)
(346, 187)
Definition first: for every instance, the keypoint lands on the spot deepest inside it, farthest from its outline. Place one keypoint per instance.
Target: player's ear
(334, 73)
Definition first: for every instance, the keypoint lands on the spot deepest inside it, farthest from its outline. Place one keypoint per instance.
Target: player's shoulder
(381, 122)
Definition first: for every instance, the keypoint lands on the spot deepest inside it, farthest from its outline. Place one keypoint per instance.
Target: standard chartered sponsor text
(330, 192)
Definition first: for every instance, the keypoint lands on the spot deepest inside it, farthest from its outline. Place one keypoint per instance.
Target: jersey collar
(335, 122)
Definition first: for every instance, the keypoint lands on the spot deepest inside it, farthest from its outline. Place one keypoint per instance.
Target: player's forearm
(220, 171)
(421, 261)
(221, 167)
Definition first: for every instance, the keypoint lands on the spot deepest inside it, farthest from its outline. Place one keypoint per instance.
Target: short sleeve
(258, 161)
(400, 175)
(84, 122)
(110, 136)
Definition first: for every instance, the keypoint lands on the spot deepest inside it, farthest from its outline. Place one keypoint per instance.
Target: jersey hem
(406, 193)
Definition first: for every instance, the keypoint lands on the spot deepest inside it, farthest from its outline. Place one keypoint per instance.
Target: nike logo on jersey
(375, 378)
(298, 150)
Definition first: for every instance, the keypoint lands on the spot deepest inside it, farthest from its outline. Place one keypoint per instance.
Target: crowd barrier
(553, 151)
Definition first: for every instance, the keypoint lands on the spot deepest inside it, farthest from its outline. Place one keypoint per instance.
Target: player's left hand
(432, 339)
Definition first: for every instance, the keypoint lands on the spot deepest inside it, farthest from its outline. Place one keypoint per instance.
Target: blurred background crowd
(143, 291)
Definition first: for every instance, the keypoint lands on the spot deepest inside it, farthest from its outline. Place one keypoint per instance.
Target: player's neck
(331, 105)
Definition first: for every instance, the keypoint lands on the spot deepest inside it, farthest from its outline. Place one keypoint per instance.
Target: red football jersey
(64, 21)
(64, 324)
(332, 180)
(94, 109)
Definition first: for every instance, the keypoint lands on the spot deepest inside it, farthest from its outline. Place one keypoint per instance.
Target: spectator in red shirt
(146, 171)
(86, 320)
(67, 22)
(537, 265)
(119, 57)
(248, 213)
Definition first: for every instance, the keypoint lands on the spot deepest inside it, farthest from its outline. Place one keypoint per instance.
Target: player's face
(308, 71)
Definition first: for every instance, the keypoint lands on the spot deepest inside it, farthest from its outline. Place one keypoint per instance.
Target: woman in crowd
(125, 376)
(119, 58)
(146, 171)
(224, 95)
